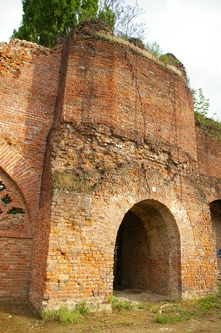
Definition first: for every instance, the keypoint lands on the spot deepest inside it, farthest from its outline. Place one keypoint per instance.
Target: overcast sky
(190, 29)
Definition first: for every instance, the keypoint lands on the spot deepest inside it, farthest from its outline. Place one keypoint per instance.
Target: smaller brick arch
(15, 242)
(20, 171)
(147, 250)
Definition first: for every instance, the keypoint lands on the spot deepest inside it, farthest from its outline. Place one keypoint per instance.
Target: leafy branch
(201, 107)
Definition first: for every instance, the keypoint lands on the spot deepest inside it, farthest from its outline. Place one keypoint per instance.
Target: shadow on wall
(215, 209)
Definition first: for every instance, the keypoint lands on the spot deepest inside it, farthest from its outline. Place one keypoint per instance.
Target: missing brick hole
(6, 200)
(16, 211)
(2, 186)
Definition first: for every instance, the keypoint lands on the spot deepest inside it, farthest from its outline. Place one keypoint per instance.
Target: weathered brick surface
(209, 153)
(97, 138)
(15, 242)
(110, 85)
(15, 268)
(109, 176)
(28, 92)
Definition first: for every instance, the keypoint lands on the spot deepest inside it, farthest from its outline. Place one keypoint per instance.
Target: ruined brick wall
(90, 200)
(209, 157)
(209, 153)
(15, 242)
(125, 143)
(28, 91)
(97, 138)
(135, 98)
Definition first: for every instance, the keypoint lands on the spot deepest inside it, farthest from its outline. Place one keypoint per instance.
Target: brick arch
(22, 186)
(174, 216)
(120, 203)
(20, 171)
(15, 242)
(147, 251)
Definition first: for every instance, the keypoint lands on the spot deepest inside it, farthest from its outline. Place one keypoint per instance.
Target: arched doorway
(15, 242)
(215, 209)
(147, 250)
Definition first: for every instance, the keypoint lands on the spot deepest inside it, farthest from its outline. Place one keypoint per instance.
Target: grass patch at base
(66, 316)
(181, 311)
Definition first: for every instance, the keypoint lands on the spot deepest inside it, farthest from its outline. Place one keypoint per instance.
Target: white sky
(190, 29)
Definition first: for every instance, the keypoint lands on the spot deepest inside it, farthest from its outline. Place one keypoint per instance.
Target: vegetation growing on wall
(201, 108)
(143, 52)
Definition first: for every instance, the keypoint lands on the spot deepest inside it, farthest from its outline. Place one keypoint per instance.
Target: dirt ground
(21, 317)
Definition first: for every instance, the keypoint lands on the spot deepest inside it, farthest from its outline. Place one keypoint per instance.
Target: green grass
(211, 126)
(162, 318)
(66, 316)
(120, 305)
(181, 311)
(146, 306)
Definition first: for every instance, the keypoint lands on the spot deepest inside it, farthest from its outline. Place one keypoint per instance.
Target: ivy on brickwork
(6, 200)
(201, 106)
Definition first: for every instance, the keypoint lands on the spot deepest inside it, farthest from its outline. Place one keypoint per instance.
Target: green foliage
(43, 20)
(174, 314)
(185, 310)
(155, 49)
(200, 103)
(162, 318)
(176, 319)
(83, 308)
(207, 303)
(165, 59)
(201, 107)
(146, 306)
(66, 316)
(122, 19)
(49, 315)
(106, 14)
(87, 10)
(120, 305)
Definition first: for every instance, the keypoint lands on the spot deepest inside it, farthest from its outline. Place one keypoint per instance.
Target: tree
(43, 20)
(155, 49)
(200, 103)
(201, 106)
(122, 19)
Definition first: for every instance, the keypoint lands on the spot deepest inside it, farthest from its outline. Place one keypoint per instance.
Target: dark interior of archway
(131, 251)
(215, 208)
(146, 244)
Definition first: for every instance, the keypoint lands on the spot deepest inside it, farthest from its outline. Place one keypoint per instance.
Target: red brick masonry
(104, 179)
